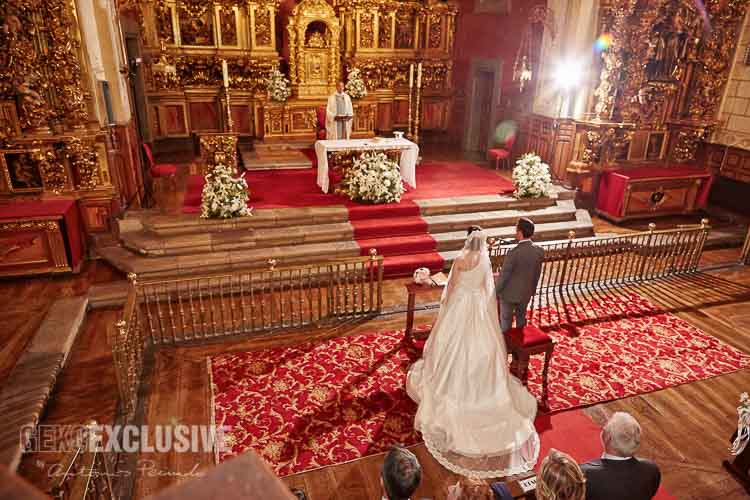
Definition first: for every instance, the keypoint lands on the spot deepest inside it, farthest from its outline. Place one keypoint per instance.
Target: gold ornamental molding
(28, 226)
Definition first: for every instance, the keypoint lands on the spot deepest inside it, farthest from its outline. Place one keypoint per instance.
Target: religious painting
(262, 18)
(655, 146)
(196, 26)
(228, 26)
(385, 31)
(492, 7)
(21, 171)
(405, 24)
(164, 23)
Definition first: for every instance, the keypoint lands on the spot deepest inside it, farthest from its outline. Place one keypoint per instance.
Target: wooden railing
(615, 260)
(175, 311)
(745, 255)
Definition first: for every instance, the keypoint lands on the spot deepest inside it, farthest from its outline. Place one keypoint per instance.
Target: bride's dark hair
(473, 228)
(476, 243)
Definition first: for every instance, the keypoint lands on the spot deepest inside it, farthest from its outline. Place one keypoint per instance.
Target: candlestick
(225, 71)
(411, 75)
(419, 75)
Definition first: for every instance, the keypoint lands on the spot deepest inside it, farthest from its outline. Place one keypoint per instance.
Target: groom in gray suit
(519, 276)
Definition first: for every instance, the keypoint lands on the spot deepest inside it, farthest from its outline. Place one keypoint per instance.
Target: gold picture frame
(21, 171)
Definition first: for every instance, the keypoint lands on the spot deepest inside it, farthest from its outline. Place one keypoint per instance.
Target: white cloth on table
(407, 161)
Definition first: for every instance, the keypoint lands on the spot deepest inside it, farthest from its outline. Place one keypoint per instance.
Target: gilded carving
(687, 144)
(385, 30)
(366, 32)
(436, 31)
(54, 175)
(28, 226)
(262, 27)
(85, 161)
(164, 25)
(219, 149)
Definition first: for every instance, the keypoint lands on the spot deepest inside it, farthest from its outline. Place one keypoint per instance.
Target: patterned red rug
(319, 404)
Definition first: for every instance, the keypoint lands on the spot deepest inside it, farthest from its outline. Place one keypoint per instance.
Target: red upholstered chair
(164, 180)
(320, 125)
(522, 344)
(158, 169)
(503, 153)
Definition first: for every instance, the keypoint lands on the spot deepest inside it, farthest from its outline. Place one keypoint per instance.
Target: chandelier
(522, 72)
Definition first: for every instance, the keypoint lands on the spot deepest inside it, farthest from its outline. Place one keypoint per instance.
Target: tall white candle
(411, 75)
(225, 71)
(419, 75)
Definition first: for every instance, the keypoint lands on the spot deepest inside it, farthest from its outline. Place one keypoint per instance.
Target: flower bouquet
(531, 177)
(355, 86)
(224, 196)
(278, 86)
(373, 178)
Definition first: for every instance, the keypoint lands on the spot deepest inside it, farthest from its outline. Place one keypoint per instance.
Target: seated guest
(560, 478)
(618, 474)
(400, 475)
(469, 489)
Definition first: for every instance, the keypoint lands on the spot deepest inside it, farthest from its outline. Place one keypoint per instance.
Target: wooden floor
(686, 428)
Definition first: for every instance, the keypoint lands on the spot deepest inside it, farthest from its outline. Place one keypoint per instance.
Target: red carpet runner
(398, 233)
(319, 404)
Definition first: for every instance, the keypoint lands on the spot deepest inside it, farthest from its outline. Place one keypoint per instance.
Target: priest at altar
(339, 114)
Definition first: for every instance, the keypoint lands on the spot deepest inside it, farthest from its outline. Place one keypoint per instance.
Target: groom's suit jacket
(520, 273)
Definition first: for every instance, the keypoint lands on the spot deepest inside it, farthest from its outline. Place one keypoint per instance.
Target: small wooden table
(413, 289)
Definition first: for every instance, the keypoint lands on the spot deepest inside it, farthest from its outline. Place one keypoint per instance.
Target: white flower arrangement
(355, 86)
(743, 425)
(224, 196)
(531, 177)
(278, 86)
(374, 178)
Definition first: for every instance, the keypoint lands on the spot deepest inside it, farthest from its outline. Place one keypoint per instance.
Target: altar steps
(156, 246)
(279, 156)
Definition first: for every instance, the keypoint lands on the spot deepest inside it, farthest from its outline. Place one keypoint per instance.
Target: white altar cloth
(407, 162)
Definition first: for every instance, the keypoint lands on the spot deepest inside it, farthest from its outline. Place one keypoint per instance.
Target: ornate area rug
(320, 404)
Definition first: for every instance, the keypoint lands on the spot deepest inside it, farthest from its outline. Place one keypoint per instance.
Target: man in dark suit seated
(618, 475)
(519, 276)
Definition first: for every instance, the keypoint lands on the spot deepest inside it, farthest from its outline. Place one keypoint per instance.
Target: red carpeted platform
(298, 187)
(395, 229)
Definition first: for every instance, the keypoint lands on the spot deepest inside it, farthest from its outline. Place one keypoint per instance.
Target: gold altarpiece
(185, 42)
(51, 144)
(658, 93)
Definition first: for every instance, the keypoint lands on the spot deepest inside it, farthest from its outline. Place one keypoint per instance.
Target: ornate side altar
(186, 41)
(660, 85)
(50, 144)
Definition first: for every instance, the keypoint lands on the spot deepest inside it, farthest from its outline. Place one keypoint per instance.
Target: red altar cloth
(71, 221)
(612, 184)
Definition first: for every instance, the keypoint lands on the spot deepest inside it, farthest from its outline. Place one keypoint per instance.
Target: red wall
(488, 36)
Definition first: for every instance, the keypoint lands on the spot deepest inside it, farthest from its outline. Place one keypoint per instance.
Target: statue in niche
(316, 40)
(676, 42)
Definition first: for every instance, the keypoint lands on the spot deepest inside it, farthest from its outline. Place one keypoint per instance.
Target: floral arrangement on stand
(373, 178)
(531, 177)
(355, 85)
(743, 425)
(224, 196)
(278, 86)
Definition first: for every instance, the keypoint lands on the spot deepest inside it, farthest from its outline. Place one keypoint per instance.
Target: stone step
(147, 244)
(171, 225)
(226, 261)
(31, 382)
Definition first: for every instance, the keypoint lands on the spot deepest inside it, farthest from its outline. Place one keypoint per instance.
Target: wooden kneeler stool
(522, 344)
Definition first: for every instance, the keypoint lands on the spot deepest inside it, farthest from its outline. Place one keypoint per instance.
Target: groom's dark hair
(401, 473)
(526, 226)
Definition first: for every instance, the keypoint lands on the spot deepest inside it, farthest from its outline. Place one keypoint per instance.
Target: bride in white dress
(476, 419)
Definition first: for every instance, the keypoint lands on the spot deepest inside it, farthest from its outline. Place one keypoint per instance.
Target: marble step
(172, 225)
(25, 393)
(225, 261)
(147, 244)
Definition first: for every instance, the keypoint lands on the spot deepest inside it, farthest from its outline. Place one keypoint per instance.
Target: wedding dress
(475, 418)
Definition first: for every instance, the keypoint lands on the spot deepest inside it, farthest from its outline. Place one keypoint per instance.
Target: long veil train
(475, 417)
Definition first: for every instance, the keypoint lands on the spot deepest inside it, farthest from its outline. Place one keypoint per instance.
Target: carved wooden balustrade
(178, 311)
(601, 262)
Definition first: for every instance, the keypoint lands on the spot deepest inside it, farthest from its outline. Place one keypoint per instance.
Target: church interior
(231, 222)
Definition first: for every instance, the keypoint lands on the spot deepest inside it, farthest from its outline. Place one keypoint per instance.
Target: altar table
(407, 162)
(645, 191)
